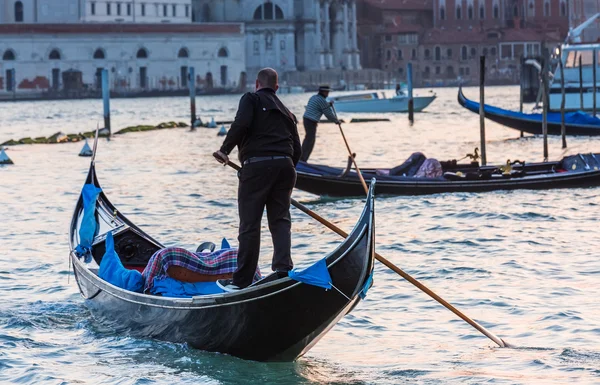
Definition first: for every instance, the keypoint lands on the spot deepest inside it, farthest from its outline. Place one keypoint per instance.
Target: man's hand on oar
(221, 157)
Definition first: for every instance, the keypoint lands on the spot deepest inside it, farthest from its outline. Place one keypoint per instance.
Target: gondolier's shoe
(227, 285)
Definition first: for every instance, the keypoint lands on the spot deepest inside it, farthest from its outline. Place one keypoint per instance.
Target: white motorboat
(379, 102)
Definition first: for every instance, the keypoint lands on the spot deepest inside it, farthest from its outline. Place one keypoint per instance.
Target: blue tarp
(89, 227)
(316, 275)
(112, 270)
(577, 117)
(169, 287)
(366, 286)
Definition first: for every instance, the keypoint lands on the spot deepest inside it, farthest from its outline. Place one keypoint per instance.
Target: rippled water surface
(524, 264)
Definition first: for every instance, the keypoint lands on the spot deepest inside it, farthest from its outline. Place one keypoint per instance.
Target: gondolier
(266, 135)
(316, 107)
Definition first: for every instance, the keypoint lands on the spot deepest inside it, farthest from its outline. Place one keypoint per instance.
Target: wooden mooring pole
(594, 64)
(582, 107)
(563, 128)
(411, 105)
(522, 82)
(192, 87)
(106, 99)
(481, 109)
(545, 67)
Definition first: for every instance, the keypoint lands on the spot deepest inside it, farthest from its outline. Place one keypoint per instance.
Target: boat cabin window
(573, 58)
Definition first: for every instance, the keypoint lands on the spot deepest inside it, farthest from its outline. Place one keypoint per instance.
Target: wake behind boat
(379, 102)
(576, 123)
(573, 171)
(274, 319)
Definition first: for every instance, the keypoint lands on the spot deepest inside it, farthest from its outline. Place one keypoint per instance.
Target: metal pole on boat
(522, 87)
(563, 128)
(192, 87)
(594, 64)
(545, 102)
(106, 99)
(581, 85)
(481, 109)
(409, 81)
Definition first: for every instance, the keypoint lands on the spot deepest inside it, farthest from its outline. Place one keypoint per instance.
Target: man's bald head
(267, 78)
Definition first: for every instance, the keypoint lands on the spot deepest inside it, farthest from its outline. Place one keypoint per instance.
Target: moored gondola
(576, 123)
(275, 319)
(580, 170)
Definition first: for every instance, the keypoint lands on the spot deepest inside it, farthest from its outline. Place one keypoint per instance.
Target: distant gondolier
(317, 106)
(266, 135)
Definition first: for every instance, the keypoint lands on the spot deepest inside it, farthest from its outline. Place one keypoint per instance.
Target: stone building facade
(443, 39)
(290, 35)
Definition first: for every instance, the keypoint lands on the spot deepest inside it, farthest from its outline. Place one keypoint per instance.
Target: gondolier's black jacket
(263, 126)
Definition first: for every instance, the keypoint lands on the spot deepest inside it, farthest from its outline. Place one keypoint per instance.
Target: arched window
(438, 53)
(563, 8)
(481, 12)
(9, 54)
(427, 53)
(268, 11)
(442, 13)
(19, 12)
(54, 55)
(496, 11)
(463, 53)
(473, 51)
(516, 11)
(183, 52)
(142, 53)
(546, 8)
(223, 52)
(470, 12)
(99, 54)
(400, 57)
(449, 53)
(458, 13)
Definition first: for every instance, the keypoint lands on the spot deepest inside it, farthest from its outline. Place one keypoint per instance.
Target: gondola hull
(312, 180)
(530, 123)
(273, 320)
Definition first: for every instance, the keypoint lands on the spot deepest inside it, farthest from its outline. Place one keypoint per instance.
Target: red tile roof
(101, 28)
(399, 5)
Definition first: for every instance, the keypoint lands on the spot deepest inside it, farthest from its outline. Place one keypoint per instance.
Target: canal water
(523, 263)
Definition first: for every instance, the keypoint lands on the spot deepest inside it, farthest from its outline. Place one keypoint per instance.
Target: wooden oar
(395, 268)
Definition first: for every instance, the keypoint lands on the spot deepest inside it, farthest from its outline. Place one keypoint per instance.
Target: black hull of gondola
(274, 320)
(531, 126)
(350, 186)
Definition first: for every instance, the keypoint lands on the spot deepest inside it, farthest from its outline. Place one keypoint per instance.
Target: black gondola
(275, 319)
(337, 182)
(576, 123)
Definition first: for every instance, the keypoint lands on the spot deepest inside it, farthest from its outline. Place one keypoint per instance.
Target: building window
(401, 71)
(165, 10)
(427, 53)
(269, 40)
(388, 55)
(426, 72)
(563, 8)
(99, 54)
(265, 12)
(414, 53)
(223, 52)
(461, 71)
(183, 52)
(256, 47)
(496, 11)
(93, 7)
(118, 9)
(450, 72)
(174, 10)
(438, 70)
(546, 8)
(449, 53)
(442, 13)
(481, 14)
(388, 38)
(458, 13)
(493, 51)
(467, 71)
(282, 45)
(463, 53)
(187, 11)
(9, 54)
(143, 10)
(438, 53)
(128, 9)
(142, 53)
(19, 12)
(108, 10)
(484, 51)
(470, 12)
(400, 54)
(54, 55)
(473, 51)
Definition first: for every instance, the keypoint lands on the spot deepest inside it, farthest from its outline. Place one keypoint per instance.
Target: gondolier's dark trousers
(309, 140)
(269, 184)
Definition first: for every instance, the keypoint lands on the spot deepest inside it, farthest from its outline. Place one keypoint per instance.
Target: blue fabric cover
(316, 275)
(169, 287)
(225, 244)
(366, 286)
(112, 270)
(88, 229)
(577, 117)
